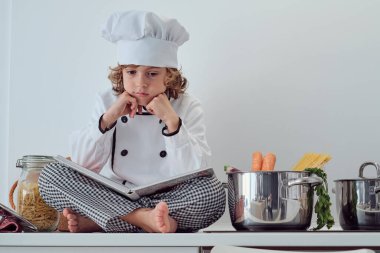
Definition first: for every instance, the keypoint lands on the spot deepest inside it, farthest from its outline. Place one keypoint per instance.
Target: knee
(209, 199)
(47, 175)
(205, 203)
(203, 212)
(52, 174)
(46, 183)
(211, 191)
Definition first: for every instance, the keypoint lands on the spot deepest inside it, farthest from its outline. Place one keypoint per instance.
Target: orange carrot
(257, 161)
(269, 162)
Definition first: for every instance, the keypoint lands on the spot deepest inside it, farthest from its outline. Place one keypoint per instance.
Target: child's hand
(161, 107)
(125, 104)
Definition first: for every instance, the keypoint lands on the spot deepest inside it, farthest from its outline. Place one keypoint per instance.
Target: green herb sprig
(323, 204)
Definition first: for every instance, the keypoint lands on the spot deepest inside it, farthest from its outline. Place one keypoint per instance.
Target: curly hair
(175, 82)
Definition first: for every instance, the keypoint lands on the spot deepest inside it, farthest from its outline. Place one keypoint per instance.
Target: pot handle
(312, 181)
(365, 164)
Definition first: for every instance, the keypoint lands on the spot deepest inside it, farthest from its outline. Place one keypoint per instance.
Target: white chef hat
(144, 38)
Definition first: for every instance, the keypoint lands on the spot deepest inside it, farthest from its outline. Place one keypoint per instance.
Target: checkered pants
(194, 204)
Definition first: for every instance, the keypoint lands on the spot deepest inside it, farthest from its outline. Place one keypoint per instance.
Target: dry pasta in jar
(30, 204)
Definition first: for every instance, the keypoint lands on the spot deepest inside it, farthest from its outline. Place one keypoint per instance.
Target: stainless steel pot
(358, 201)
(271, 200)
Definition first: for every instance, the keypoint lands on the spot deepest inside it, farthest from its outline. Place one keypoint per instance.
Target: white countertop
(221, 233)
(204, 239)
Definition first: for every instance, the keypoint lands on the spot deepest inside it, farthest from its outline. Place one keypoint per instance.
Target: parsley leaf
(323, 204)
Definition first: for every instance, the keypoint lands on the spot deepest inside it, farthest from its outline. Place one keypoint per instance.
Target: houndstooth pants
(194, 204)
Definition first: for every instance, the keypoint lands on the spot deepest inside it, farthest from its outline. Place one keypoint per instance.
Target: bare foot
(77, 223)
(162, 222)
(156, 220)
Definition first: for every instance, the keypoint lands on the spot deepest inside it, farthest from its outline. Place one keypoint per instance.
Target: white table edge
(253, 239)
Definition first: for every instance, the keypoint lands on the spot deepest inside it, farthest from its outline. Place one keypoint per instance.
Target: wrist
(107, 121)
(172, 124)
(167, 133)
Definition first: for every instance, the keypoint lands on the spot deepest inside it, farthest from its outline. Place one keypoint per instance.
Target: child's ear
(167, 76)
(166, 80)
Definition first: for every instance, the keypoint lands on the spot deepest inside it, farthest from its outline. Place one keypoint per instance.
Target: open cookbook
(129, 190)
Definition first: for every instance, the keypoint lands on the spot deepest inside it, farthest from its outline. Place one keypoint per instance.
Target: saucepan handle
(365, 164)
(312, 181)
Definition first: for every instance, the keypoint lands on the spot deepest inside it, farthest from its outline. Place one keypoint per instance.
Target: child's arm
(162, 108)
(91, 146)
(188, 144)
(124, 104)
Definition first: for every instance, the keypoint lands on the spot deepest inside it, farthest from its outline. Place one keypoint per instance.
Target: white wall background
(5, 18)
(282, 76)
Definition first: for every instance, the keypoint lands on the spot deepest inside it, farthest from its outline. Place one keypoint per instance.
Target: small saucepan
(358, 201)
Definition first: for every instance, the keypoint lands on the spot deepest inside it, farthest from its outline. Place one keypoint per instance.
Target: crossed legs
(90, 207)
(153, 220)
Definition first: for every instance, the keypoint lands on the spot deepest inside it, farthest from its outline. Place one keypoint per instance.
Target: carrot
(257, 161)
(269, 162)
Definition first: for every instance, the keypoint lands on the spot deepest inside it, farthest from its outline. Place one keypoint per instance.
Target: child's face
(144, 82)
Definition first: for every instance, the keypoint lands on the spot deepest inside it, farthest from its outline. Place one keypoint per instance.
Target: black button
(124, 119)
(124, 152)
(163, 153)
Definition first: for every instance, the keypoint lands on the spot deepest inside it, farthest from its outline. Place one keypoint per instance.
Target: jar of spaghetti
(30, 205)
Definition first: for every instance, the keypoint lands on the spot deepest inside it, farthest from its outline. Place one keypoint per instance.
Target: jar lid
(34, 161)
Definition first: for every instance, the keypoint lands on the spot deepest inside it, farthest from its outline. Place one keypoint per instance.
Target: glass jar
(30, 205)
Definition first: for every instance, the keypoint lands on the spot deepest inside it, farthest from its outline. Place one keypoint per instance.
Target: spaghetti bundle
(312, 160)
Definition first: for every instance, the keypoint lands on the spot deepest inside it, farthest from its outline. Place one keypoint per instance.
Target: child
(143, 130)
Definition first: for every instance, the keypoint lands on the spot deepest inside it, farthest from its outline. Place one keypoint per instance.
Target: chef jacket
(139, 149)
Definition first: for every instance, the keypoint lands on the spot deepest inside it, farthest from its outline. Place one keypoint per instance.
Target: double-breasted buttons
(163, 153)
(124, 119)
(124, 152)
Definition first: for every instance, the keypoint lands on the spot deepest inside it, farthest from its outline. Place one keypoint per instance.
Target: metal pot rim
(358, 179)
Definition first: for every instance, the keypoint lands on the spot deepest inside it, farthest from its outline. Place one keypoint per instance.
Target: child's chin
(143, 102)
